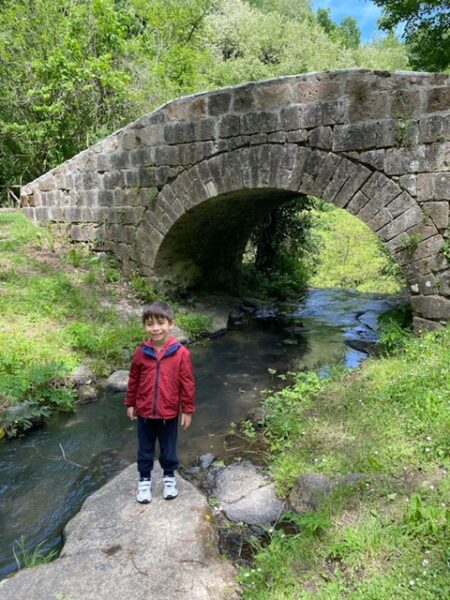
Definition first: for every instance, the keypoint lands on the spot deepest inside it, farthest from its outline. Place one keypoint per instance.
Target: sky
(364, 11)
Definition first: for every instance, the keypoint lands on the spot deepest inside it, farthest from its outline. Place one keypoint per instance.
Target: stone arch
(374, 143)
(245, 184)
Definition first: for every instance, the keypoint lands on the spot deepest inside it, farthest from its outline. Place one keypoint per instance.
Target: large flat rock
(116, 549)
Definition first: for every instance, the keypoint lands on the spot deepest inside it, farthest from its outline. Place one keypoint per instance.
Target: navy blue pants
(166, 432)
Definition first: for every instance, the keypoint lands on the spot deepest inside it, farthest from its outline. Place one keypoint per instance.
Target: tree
(426, 30)
(347, 33)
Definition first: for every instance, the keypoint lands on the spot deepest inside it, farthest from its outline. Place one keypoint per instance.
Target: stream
(46, 475)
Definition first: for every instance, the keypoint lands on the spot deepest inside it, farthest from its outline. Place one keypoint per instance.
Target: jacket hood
(170, 347)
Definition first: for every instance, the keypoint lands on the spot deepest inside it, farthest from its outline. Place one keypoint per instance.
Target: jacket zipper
(156, 388)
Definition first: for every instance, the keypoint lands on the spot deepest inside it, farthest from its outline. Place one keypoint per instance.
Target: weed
(26, 558)
(411, 242)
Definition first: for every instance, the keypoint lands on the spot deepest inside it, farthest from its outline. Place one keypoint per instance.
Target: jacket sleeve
(187, 383)
(133, 380)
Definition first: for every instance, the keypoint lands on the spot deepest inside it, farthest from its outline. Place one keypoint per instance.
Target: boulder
(117, 381)
(116, 548)
(82, 375)
(247, 495)
(87, 393)
(311, 490)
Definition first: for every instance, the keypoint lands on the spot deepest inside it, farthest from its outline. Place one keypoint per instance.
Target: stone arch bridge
(176, 194)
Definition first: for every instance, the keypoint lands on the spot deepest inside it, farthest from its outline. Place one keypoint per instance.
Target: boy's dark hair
(158, 309)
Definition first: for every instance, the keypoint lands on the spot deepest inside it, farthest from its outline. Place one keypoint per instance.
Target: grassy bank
(388, 536)
(350, 255)
(58, 309)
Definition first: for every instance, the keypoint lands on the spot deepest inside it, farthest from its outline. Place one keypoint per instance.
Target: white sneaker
(170, 488)
(144, 491)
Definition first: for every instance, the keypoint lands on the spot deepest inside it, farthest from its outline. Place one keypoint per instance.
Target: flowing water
(46, 475)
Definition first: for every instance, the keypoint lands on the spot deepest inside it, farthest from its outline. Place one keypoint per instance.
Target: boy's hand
(131, 413)
(186, 420)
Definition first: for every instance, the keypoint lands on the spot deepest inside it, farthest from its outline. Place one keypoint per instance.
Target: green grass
(388, 536)
(350, 255)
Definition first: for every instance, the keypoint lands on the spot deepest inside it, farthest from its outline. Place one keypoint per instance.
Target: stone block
(405, 103)
(259, 122)
(438, 99)
(428, 248)
(128, 140)
(86, 161)
(151, 135)
(258, 139)
(239, 141)
(355, 137)
(400, 161)
(320, 137)
(357, 176)
(83, 233)
(179, 110)
(179, 133)
(387, 132)
(47, 183)
(431, 307)
(406, 220)
(438, 212)
(163, 175)
(400, 204)
(142, 157)
(437, 157)
(382, 218)
(121, 159)
(423, 325)
(243, 100)
(425, 186)
(374, 106)
(434, 128)
(273, 95)
(290, 118)
(444, 287)
(297, 136)
(106, 198)
(409, 183)
(309, 90)
(423, 230)
(219, 103)
(314, 114)
(358, 202)
(373, 158)
(441, 187)
(279, 137)
(339, 178)
(113, 179)
(206, 129)
(427, 285)
(369, 210)
(230, 125)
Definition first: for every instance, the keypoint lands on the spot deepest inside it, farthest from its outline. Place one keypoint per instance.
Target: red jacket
(160, 383)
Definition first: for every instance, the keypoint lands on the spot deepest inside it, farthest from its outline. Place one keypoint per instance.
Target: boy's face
(158, 329)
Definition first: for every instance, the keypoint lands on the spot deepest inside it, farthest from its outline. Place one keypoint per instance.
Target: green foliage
(347, 33)
(387, 536)
(410, 242)
(75, 88)
(350, 255)
(395, 328)
(426, 26)
(280, 257)
(26, 558)
(194, 324)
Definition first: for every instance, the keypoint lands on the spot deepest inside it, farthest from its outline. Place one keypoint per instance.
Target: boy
(161, 381)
